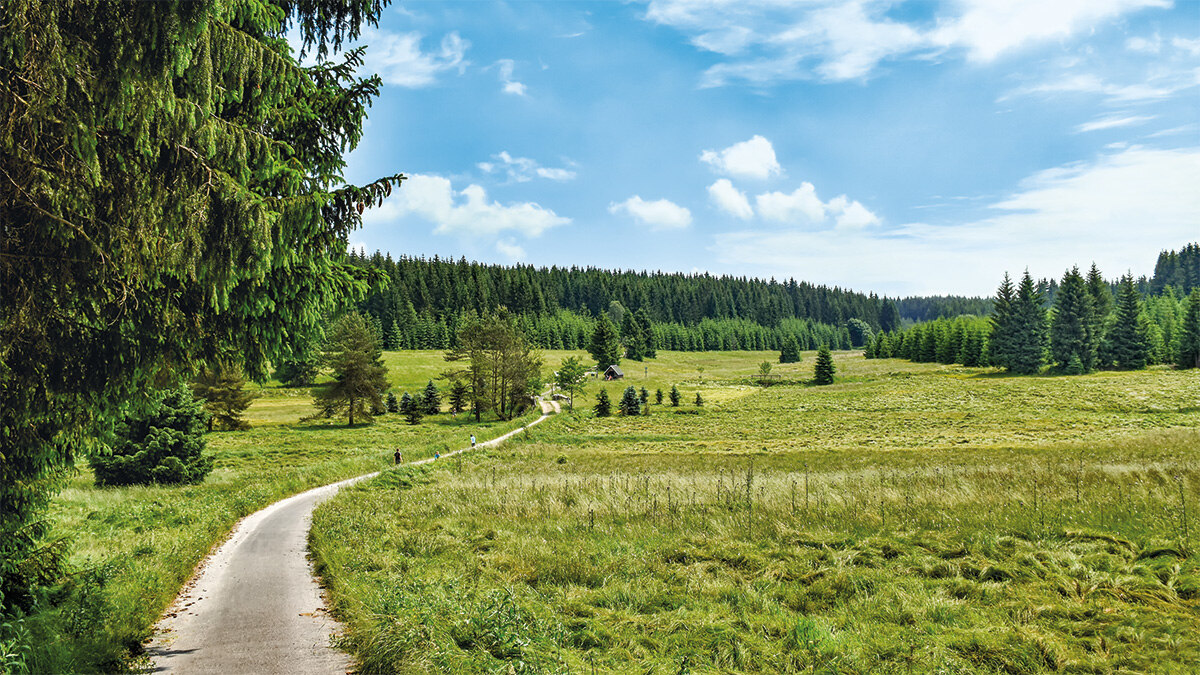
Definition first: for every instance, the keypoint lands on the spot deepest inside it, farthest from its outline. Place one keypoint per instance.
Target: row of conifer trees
(1084, 329)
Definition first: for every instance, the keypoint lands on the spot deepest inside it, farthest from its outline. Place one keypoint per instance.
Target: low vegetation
(908, 518)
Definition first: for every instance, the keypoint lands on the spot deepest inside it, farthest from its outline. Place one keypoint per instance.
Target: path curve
(254, 605)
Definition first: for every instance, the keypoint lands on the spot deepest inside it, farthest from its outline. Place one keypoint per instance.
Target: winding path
(254, 606)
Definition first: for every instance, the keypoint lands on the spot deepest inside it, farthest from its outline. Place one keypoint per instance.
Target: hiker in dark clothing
(399, 456)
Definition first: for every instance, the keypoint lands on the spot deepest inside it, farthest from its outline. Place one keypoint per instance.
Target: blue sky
(896, 147)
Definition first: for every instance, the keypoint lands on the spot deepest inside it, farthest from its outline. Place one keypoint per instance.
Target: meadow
(908, 518)
(133, 548)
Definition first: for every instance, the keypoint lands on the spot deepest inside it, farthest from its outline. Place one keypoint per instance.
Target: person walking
(472, 440)
(399, 456)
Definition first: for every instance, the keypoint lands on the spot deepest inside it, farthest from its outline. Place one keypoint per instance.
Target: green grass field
(134, 548)
(909, 518)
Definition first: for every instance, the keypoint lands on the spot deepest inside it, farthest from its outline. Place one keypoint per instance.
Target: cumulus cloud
(468, 212)
(730, 199)
(1126, 205)
(661, 214)
(766, 41)
(509, 249)
(398, 59)
(523, 169)
(802, 203)
(754, 158)
(508, 84)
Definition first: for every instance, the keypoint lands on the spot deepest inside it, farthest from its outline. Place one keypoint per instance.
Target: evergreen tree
(221, 389)
(164, 444)
(1189, 334)
(1029, 339)
(699, 400)
(503, 369)
(1127, 344)
(603, 406)
(630, 405)
(790, 352)
(604, 345)
(644, 396)
(359, 376)
(393, 406)
(1073, 324)
(860, 333)
(658, 396)
(1102, 299)
(646, 333)
(824, 368)
(173, 194)
(1002, 343)
(459, 396)
(631, 337)
(432, 399)
(675, 397)
(412, 408)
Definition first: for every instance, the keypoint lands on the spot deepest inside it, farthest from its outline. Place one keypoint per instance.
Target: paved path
(254, 606)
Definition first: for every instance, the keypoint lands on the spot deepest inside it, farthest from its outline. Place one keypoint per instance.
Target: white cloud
(851, 214)
(802, 203)
(767, 41)
(508, 85)
(1151, 45)
(523, 169)
(754, 158)
(467, 212)
(1118, 210)
(659, 214)
(1192, 47)
(509, 249)
(398, 59)
(1112, 122)
(730, 199)
(1091, 84)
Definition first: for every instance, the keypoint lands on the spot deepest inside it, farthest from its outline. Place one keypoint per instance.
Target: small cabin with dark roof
(613, 373)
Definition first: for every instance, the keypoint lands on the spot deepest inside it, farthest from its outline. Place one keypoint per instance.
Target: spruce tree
(658, 396)
(604, 346)
(221, 389)
(824, 368)
(432, 399)
(631, 337)
(699, 400)
(164, 444)
(603, 407)
(791, 350)
(646, 331)
(359, 376)
(630, 405)
(1029, 338)
(393, 406)
(412, 408)
(1102, 300)
(459, 396)
(1073, 324)
(1002, 342)
(1127, 345)
(675, 396)
(644, 396)
(1189, 333)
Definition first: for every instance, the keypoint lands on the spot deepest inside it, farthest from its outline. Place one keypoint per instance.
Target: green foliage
(413, 409)
(431, 398)
(1189, 339)
(675, 396)
(605, 347)
(630, 404)
(459, 395)
(359, 376)
(1126, 345)
(173, 197)
(643, 396)
(860, 332)
(163, 445)
(699, 400)
(503, 369)
(658, 396)
(823, 369)
(1073, 324)
(571, 378)
(220, 388)
(603, 406)
(393, 406)
(790, 352)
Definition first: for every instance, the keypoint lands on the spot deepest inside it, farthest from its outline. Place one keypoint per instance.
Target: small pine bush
(164, 445)
(675, 397)
(630, 405)
(699, 400)
(603, 404)
(824, 369)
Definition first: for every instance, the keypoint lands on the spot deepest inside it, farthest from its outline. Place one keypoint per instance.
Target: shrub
(823, 371)
(630, 405)
(163, 445)
(675, 397)
(603, 405)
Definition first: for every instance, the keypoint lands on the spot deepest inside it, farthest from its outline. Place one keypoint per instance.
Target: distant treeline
(425, 300)
(1086, 327)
